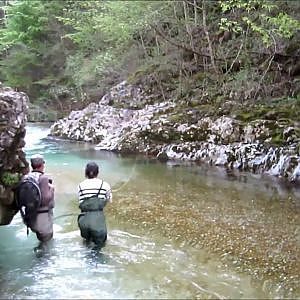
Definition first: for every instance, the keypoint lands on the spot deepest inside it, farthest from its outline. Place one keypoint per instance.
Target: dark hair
(91, 170)
(37, 160)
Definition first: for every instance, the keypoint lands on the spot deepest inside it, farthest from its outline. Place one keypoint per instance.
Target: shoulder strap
(99, 189)
(35, 175)
(34, 178)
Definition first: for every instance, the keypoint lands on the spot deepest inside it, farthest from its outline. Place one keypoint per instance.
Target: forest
(233, 57)
(192, 110)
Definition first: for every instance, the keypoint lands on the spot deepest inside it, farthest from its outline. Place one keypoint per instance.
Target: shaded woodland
(238, 58)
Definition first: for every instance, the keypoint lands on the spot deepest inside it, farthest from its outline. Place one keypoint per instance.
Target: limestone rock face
(156, 130)
(13, 110)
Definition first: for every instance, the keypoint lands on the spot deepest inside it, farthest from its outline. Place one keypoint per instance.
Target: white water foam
(34, 136)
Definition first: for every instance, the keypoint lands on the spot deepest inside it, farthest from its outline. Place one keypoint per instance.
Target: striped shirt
(94, 187)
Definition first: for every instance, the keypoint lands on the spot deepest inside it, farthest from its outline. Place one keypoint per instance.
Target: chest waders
(91, 221)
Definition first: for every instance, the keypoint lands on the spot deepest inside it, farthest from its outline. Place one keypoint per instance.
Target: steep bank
(127, 120)
(13, 106)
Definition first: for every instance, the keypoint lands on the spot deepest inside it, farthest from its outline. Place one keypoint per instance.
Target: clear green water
(171, 229)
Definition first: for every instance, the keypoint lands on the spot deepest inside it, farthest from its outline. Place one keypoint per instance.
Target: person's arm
(47, 191)
(108, 194)
(78, 191)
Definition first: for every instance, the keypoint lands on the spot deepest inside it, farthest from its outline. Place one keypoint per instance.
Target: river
(175, 231)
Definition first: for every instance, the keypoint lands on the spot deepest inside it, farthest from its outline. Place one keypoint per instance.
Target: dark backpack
(28, 199)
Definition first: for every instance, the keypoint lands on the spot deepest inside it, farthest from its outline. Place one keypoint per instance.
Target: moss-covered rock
(12, 159)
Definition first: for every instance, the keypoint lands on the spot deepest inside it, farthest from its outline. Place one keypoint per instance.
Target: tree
(25, 23)
(25, 43)
(261, 16)
(102, 31)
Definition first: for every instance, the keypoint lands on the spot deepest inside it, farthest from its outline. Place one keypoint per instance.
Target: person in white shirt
(93, 195)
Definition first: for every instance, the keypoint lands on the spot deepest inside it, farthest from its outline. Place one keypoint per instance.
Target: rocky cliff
(119, 123)
(13, 110)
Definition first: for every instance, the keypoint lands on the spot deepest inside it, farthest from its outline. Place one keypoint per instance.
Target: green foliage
(17, 69)
(260, 16)
(102, 31)
(58, 51)
(284, 24)
(26, 23)
(248, 5)
(27, 40)
(85, 70)
(113, 23)
(10, 179)
(228, 25)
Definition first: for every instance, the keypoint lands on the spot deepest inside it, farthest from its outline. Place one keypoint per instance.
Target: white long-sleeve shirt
(92, 187)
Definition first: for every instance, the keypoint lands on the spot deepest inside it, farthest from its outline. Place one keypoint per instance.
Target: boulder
(13, 111)
(261, 146)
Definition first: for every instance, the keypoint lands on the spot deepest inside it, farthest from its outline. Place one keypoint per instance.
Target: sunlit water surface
(145, 257)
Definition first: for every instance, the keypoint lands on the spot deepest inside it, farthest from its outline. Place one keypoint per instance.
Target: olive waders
(91, 221)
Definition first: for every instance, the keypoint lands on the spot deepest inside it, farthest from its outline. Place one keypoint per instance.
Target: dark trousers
(92, 226)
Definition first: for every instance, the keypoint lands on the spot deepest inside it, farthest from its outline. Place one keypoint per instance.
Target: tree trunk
(154, 73)
(210, 49)
(189, 29)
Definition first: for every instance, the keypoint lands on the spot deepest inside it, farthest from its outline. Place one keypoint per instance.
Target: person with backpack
(35, 200)
(93, 195)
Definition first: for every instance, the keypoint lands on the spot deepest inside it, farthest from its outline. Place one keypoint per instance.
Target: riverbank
(167, 131)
